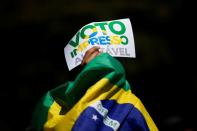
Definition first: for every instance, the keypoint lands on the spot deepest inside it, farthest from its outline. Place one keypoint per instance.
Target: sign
(114, 37)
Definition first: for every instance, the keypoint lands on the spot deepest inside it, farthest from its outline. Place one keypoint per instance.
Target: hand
(90, 54)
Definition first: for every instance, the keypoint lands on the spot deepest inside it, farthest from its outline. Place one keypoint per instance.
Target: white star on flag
(94, 117)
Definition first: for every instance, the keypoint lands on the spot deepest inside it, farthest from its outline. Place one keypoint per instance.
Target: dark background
(34, 33)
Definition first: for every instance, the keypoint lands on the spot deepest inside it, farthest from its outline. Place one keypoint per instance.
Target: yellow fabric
(102, 90)
(146, 115)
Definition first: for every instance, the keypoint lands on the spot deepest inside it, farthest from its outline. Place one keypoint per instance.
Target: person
(99, 99)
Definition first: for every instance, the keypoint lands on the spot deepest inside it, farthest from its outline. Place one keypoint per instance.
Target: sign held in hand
(114, 37)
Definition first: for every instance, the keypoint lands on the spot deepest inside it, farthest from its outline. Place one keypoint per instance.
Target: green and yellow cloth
(99, 99)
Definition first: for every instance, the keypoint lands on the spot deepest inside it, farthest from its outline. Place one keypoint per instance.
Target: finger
(88, 53)
(90, 57)
(91, 50)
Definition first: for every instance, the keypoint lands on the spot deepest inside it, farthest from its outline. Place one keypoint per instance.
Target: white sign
(114, 37)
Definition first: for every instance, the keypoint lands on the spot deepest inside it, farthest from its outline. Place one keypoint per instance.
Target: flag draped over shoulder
(99, 98)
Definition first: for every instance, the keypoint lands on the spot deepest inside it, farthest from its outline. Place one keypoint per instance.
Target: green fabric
(69, 93)
(102, 66)
(41, 112)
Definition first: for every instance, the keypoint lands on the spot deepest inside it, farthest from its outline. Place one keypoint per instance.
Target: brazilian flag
(99, 99)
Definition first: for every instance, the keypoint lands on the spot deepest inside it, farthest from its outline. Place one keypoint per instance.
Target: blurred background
(35, 32)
